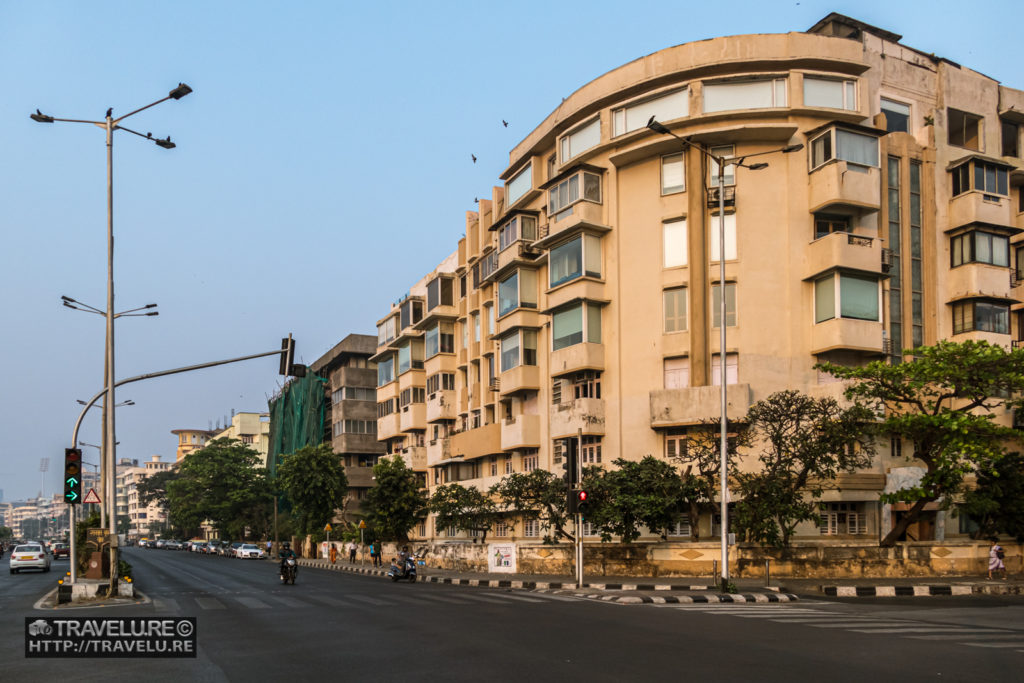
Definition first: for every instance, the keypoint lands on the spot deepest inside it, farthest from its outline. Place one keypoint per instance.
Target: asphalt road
(344, 627)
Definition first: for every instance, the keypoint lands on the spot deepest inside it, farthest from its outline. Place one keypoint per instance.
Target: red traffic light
(581, 496)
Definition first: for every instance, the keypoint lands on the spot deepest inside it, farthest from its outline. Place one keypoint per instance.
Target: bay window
(987, 177)
(852, 296)
(576, 258)
(979, 247)
(562, 196)
(440, 339)
(761, 93)
(440, 292)
(981, 315)
(518, 348)
(410, 356)
(580, 140)
(667, 107)
(844, 145)
(411, 312)
(574, 325)
(519, 227)
(385, 371)
(518, 290)
(386, 331)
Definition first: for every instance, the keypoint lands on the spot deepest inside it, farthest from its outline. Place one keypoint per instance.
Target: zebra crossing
(186, 601)
(813, 617)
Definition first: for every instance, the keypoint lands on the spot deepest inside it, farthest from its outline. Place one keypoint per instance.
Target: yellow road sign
(362, 524)
(327, 528)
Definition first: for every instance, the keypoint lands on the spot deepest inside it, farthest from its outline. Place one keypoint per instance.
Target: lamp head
(657, 127)
(179, 92)
(792, 148)
(40, 117)
(757, 167)
(166, 144)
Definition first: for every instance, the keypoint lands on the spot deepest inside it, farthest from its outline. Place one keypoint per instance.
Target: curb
(692, 599)
(894, 591)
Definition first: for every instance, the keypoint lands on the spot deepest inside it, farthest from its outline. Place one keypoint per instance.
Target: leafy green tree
(700, 458)
(221, 483)
(646, 493)
(944, 401)
(396, 503)
(153, 489)
(804, 443)
(539, 495)
(466, 509)
(997, 504)
(6, 532)
(314, 480)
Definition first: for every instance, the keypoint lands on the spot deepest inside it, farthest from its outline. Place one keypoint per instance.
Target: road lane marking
(484, 598)
(165, 605)
(520, 598)
(369, 600)
(960, 636)
(1016, 643)
(916, 629)
(210, 603)
(444, 598)
(288, 602)
(252, 603)
(334, 602)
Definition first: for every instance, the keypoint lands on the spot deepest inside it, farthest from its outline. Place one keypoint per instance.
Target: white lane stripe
(867, 624)
(557, 598)
(165, 605)
(288, 602)
(520, 598)
(483, 598)
(960, 636)
(443, 598)
(251, 603)
(209, 603)
(1016, 643)
(915, 629)
(332, 601)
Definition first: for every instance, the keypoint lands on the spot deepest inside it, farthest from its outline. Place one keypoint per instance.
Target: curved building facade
(584, 298)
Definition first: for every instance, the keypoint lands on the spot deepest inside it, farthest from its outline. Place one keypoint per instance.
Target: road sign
(327, 528)
(92, 497)
(362, 524)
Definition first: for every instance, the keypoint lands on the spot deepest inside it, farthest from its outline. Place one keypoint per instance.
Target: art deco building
(584, 297)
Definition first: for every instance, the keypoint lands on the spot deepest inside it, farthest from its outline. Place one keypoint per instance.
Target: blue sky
(323, 166)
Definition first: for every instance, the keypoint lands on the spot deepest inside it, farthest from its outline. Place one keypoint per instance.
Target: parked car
(212, 546)
(160, 543)
(172, 545)
(61, 551)
(250, 551)
(30, 556)
(233, 548)
(198, 546)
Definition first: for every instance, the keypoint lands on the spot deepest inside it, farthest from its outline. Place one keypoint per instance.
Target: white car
(30, 556)
(248, 550)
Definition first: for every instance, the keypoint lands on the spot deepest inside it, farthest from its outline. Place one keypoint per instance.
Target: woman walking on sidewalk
(995, 559)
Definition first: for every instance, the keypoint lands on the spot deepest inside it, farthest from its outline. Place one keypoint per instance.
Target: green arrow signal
(72, 495)
(71, 481)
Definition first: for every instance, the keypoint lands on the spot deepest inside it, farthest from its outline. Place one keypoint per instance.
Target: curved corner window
(386, 371)
(575, 258)
(673, 105)
(517, 290)
(580, 140)
(854, 296)
(830, 92)
(845, 145)
(760, 93)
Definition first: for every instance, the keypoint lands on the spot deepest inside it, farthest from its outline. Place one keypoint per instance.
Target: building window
(517, 290)
(730, 305)
(1011, 139)
(586, 384)
(674, 243)
(675, 309)
(981, 316)
(675, 445)
(410, 357)
(830, 93)
(501, 529)
(677, 373)
(386, 331)
(979, 247)
(518, 348)
(411, 395)
(385, 371)
(964, 129)
(358, 393)
(531, 528)
(580, 140)
(441, 381)
(576, 258)
(897, 116)
(530, 462)
(476, 326)
(763, 93)
(519, 184)
(673, 174)
(856, 297)
(844, 145)
(440, 292)
(714, 226)
(590, 450)
(509, 469)
(842, 518)
(439, 339)
(732, 369)
(667, 107)
(566, 193)
(520, 227)
(825, 224)
(568, 326)
(988, 178)
(385, 408)
(724, 152)
(411, 312)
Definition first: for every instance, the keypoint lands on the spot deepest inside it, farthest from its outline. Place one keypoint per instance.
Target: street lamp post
(723, 445)
(110, 124)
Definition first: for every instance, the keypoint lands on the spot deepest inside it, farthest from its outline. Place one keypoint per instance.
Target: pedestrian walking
(352, 551)
(996, 555)
(268, 548)
(373, 555)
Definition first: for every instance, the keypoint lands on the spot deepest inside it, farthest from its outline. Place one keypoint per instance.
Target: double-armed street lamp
(722, 162)
(111, 124)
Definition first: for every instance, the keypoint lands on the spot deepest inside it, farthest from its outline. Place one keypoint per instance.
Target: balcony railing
(730, 196)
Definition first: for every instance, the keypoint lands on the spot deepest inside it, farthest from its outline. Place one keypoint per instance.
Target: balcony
(414, 377)
(520, 378)
(438, 450)
(580, 288)
(441, 406)
(359, 477)
(520, 432)
(582, 214)
(568, 417)
(846, 189)
(843, 250)
(978, 207)
(389, 426)
(416, 458)
(356, 443)
(413, 417)
(475, 443)
(583, 356)
(389, 390)
(475, 396)
(694, 405)
(980, 279)
(848, 334)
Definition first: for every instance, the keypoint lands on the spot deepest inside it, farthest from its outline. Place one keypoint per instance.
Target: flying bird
(504, 123)
(474, 157)
(110, 112)
(476, 200)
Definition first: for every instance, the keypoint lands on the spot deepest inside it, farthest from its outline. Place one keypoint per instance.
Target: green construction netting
(296, 418)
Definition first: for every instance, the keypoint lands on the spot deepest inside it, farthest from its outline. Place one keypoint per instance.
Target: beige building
(191, 439)
(129, 475)
(252, 429)
(585, 294)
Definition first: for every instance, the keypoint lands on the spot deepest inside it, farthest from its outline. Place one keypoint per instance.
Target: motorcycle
(407, 571)
(289, 568)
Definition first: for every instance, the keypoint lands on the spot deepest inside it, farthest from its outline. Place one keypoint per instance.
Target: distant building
(252, 429)
(129, 475)
(191, 439)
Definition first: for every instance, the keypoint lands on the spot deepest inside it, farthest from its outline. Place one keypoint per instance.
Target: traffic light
(570, 474)
(72, 475)
(582, 502)
(287, 355)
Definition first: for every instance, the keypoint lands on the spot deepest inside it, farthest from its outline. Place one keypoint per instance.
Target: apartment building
(350, 425)
(252, 429)
(584, 299)
(191, 439)
(129, 507)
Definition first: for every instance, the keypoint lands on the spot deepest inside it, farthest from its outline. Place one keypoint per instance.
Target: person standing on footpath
(996, 555)
(377, 550)
(352, 551)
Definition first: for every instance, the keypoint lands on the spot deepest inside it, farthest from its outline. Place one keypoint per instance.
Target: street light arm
(83, 310)
(43, 118)
(133, 113)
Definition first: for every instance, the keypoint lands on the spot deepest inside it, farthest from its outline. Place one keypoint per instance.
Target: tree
(701, 460)
(944, 402)
(804, 444)
(539, 495)
(466, 509)
(153, 489)
(649, 493)
(997, 504)
(221, 483)
(314, 480)
(396, 503)
(6, 532)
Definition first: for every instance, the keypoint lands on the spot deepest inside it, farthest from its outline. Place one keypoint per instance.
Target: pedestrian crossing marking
(288, 602)
(209, 603)
(369, 600)
(252, 603)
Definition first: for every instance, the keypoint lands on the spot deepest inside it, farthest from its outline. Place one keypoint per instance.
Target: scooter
(408, 571)
(289, 568)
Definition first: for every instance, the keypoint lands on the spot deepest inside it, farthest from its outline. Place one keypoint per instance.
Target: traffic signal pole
(579, 515)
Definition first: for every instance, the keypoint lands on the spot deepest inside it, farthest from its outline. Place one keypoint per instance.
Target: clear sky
(323, 167)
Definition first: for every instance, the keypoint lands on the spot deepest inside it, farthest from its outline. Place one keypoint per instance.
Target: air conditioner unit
(730, 196)
(886, 260)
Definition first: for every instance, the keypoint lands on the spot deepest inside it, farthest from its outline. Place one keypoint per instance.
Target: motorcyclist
(284, 553)
(403, 557)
